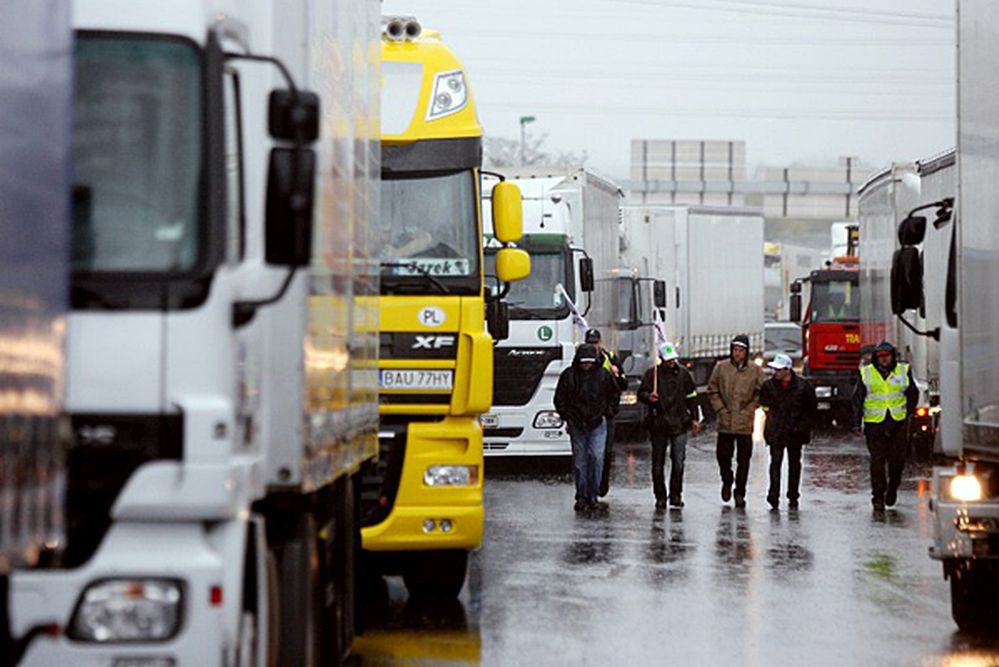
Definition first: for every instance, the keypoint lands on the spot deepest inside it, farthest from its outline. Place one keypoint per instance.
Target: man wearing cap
(883, 400)
(612, 365)
(585, 396)
(789, 403)
(734, 390)
(673, 410)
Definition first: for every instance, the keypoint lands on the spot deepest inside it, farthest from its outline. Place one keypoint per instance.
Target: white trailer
(221, 392)
(715, 289)
(965, 498)
(35, 74)
(570, 216)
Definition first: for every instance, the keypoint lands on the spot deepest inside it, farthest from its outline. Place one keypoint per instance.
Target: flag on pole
(577, 317)
(660, 326)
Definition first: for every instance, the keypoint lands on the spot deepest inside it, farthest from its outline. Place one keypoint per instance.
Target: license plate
(415, 379)
(489, 421)
(824, 405)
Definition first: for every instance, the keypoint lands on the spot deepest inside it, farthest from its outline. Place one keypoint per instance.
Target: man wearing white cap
(789, 403)
(671, 395)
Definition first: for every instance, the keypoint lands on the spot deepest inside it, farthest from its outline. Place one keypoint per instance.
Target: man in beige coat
(734, 390)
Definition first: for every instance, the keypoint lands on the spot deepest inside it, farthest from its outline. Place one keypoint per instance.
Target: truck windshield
(137, 165)
(428, 229)
(835, 301)
(536, 297)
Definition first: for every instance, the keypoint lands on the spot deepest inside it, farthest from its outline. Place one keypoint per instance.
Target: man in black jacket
(884, 400)
(789, 403)
(673, 410)
(611, 363)
(585, 396)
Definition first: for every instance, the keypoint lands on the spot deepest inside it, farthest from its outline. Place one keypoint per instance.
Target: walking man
(585, 396)
(734, 390)
(610, 363)
(884, 398)
(789, 403)
(672, 399)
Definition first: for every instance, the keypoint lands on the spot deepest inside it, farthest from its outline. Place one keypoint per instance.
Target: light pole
(524, 120)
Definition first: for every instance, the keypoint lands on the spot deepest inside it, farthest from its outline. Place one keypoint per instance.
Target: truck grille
(517, 372)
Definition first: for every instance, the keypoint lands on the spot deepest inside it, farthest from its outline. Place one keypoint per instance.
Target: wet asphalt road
(830, 584)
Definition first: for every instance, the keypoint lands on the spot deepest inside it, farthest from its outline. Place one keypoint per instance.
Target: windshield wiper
(413, 266)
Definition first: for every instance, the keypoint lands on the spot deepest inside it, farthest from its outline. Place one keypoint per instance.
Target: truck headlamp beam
(451, 476)
(547, 419)
(965, 488)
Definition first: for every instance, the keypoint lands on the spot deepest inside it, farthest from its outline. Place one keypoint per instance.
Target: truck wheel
(437, 574)
(294, 547)
(974, 595)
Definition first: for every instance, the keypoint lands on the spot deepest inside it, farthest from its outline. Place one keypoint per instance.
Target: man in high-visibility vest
(884, 398)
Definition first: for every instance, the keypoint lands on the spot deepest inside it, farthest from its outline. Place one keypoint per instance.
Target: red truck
(830, 331)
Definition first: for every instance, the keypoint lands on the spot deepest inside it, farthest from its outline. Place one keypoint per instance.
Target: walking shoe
(599, 506)
(879, 505)
(740, 502)
(891, 497)
(675, 503)
(661, 504)
(726, 491)
(581, 505)
(792, 504)
(774, 503)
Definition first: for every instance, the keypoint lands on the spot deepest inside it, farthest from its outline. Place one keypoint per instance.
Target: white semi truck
(965, 498)
(35, 73)
(570, 230)
(715, 285)
(221, 345)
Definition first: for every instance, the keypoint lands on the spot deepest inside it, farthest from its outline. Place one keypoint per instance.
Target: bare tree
(503, 152)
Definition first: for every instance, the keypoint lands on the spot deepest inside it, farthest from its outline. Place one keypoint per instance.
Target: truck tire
(437, 574)
(293, 539)
(974, 595)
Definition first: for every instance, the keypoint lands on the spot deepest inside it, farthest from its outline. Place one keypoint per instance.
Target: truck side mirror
(508, 212)
(586, 282)
(512, 264)
(659, 293)
(795, 304)
(796, 287)
(912, 230)
(498, 319)
(293, 116)
(290, 193)
(906, 279)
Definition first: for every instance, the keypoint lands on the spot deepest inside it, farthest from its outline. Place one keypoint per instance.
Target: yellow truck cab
(422, 501)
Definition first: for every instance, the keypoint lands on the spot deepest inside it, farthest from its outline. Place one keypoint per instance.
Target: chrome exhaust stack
(401, 28)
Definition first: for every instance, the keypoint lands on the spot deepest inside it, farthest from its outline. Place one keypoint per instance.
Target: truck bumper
(963, 530)
(454, 441)
(155, 550)
(509, 431)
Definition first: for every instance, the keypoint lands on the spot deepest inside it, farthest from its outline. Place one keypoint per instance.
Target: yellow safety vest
(885, 394)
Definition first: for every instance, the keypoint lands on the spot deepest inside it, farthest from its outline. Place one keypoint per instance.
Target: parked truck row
(238, 355)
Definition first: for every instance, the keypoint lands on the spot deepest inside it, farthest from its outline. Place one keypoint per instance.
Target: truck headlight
(547, 419)
(122, 610)
(629, 398)
(451, 476)
(965, 488)
(823, 392)
(450, 94)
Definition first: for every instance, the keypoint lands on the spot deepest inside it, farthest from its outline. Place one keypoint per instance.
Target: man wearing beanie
(734, 390)
(585, 396)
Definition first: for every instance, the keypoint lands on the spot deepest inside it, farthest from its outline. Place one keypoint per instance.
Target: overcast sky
(799, 80)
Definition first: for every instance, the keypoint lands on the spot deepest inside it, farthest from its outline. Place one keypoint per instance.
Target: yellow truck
(422, 500)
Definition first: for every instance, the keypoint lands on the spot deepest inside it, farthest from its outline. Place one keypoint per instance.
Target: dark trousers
(608, 457)
(886, 443)
(677, 444)
(793, 471)
(740, 444)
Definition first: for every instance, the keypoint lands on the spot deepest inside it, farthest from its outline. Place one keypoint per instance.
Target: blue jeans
(588, 459)
(677, 445)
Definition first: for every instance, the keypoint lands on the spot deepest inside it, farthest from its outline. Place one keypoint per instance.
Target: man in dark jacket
(789, 403)
(585, 396)
(883, 400)
(673, 410)
(611, 363)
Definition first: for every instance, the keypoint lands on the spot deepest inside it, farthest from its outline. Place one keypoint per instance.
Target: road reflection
(400, 630)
